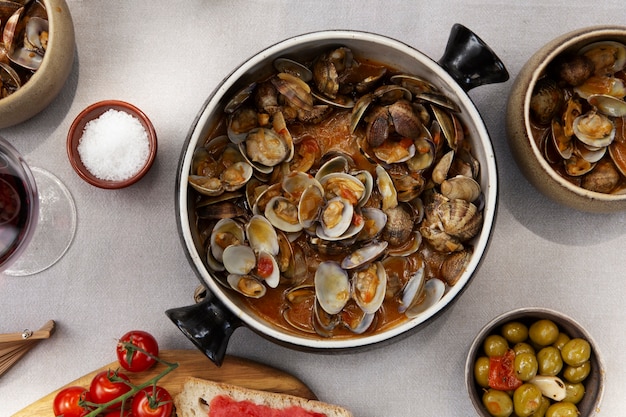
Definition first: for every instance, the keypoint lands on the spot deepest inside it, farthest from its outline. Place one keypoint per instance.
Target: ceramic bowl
(49, 79)
(594, 383)
(524, 137)
(93, 112)
(209, 324)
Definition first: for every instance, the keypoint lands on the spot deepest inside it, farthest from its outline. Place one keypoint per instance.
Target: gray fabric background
(126, 265)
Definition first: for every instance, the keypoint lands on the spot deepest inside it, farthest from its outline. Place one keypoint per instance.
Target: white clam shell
(369, 286)
(239, 259)
(433, 292)
(332, 287)
(225, 227)
(262, 236)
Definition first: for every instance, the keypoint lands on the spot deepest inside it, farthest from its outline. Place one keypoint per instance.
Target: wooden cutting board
(234, 370)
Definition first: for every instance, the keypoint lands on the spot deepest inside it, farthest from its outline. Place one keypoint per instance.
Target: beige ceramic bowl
(589, 405)
(50, 78)
(524, 146)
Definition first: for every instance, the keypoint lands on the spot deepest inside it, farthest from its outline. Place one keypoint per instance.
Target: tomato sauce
(225, 406)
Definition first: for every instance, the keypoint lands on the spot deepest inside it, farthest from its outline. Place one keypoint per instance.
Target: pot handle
(208, 324)
(470, 61)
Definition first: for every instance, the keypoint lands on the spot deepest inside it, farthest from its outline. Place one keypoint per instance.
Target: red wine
(15, 206)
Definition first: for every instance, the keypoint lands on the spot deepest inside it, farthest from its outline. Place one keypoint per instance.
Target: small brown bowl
(594, 383)
(523, 136)
(93, 112)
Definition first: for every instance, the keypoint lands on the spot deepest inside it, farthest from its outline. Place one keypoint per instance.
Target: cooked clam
(364, 255)
(460, 187)
(608, 57)
(434, 290)
(369, 285)
(225, 233)
(267, 269)
(239, 259)
(594, 129)
(386, 188)
(247, 285)
(608, 105)
(283, 214)
(335, 218)
(332, 287)
(292, 67)
(310, 206)
(262, 236)
(23, 42)
(343, 185)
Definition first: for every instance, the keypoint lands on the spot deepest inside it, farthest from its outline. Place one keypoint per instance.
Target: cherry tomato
(107, 386)
(152, 402)
(502, 372)
(133, 360)
(68, 402)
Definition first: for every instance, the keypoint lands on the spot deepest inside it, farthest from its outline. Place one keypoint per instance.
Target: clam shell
(262, 236)
(332, 287)
(386, 188)
(225, 233)
(247, 285)
(310, 206)
(460, 187)
(609, 105)
(434, 290)
(292, 67)
(331, 226)
(239, 259)
(267, 269)
(364, 255)
(412, 290)
(282, 213)
(369, 285)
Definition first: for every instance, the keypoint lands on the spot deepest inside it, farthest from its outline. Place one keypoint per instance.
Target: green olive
(543, 332)
(561, 340)
(543, 407)
(498, 403)
(576, 374)
(481, 371)
(574, 392)
(562, 409)
(549, 360)
(523, 347)
(495, 345)
(576, 352)
(515, 332)
(526, 366)
(526, 400)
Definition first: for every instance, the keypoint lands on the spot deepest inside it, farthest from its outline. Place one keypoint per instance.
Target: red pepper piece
(502, 372)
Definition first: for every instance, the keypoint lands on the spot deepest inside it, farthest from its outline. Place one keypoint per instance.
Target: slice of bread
(195, 399)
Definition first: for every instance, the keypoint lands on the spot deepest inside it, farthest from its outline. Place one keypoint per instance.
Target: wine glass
(37, 216)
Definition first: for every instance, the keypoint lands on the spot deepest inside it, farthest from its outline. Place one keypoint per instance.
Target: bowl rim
(93, 111)
(333, 37)
(575, 39)
(530, 313)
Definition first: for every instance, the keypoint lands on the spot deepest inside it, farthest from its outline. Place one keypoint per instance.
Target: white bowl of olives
(534, 361)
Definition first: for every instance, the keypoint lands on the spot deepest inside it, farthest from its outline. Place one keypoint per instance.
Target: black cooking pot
(466, 63)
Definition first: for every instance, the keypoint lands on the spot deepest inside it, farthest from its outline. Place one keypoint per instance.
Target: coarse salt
(115, 146)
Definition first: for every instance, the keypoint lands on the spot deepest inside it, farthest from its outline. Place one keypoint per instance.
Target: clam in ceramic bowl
(120, 149)
(587, 404)
(538, 103)
(33, 95)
